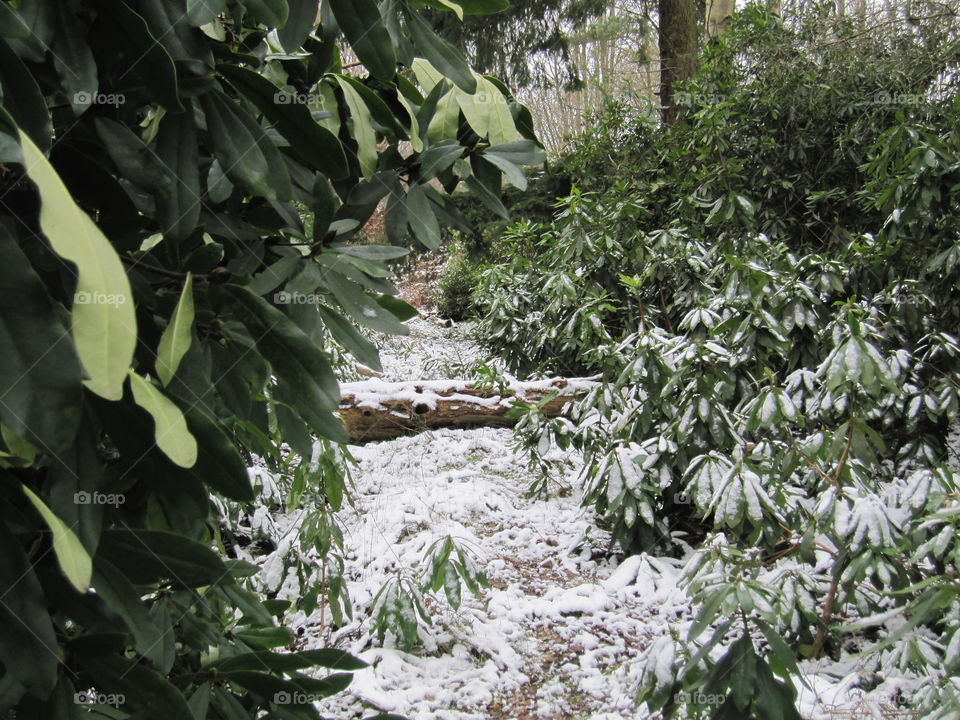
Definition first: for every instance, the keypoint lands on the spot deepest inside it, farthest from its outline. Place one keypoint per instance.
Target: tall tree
(512, 43)
(678, 51)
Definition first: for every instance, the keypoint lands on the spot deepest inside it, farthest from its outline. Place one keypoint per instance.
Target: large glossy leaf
(289, 351)
(441, 54)
(28, 645)
(22, 98)
(176, 337)
(348, 336)
(73, 59)
(361, 22)
(146, 57)
(300, 22)
(361, 307)
(39, 370)
(170, 426)
(179, 207)
(363, 131)
(143, 689)
(104, 322)
(237, 145)
(150, 556)
(312, 142)
(272, 13)
(125, 600)
(71, 555)
(423, 221)
(219, 465)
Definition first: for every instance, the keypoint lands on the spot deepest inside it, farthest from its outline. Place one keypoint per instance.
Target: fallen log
(378, 410)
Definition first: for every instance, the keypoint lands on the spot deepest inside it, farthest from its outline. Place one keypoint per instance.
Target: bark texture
(376, 410)
(678, 52)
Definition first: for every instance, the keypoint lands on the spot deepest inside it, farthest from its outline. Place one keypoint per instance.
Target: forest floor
(559, 630)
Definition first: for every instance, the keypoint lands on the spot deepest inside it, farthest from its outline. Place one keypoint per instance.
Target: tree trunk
(377, 410)
(678, 51)
(718, 16)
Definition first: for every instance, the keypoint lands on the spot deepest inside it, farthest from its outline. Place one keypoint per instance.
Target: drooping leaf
(300, 22)
(170, 426)
(176, 337)
(22, 98)
(104, 322)
(179, 207)
(28, 645)
(311, 141)
(447, 59)
(363, 131)
(73, 59)
(149, 556)
(39, 369)
(361, 22)
(423, 221)
(71, 555)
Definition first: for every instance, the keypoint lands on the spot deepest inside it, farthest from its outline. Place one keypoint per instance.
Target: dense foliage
(770, 291)
(166, 316)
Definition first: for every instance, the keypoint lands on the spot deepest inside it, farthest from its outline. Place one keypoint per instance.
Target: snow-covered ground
(558, 632)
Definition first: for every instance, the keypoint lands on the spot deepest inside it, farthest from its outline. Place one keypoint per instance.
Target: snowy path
(554, 635)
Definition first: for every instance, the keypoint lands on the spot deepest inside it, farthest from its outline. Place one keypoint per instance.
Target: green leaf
(150, 59)
(401, 310)
(363, 309)
(443, 56)
(240, 146)
(438, 158)
(514, 174)
(178, 208)
(22, 96)
(287, 662)
(312, 142)
(423, 221)
(501, 127)
(143, 689)
(361, 22)
(295, 359)
(104, 320)
(176, 337)
(39, 370)
(219, 463)
(445, 123)
(71, 555)
(202, 12)
(28, 644)
(150, 556)
(170, 426)
(347, 335)
(487, 197)
(11, 23)
(272, 13)
(125, 600)
(363, 131)
(451, 586)
(300, 22)
(73, 60)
